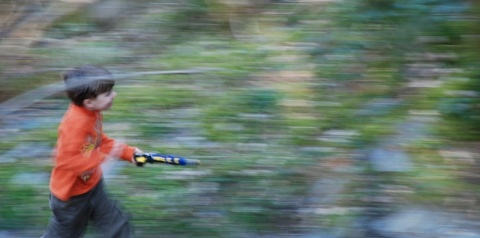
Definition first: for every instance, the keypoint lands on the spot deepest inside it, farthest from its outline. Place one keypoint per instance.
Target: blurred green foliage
(261, 138)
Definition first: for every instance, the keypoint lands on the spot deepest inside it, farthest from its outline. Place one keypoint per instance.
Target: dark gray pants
(70, 218)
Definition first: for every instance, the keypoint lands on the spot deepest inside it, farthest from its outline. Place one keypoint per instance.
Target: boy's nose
(114, 94)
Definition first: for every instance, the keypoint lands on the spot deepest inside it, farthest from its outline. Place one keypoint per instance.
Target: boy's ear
(87, 103)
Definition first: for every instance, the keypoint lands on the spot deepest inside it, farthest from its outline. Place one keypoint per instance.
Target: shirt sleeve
(115, 149)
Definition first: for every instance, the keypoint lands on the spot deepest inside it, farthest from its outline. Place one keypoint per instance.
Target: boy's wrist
(136, 151)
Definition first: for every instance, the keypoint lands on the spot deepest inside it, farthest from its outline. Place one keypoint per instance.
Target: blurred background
(312, 118)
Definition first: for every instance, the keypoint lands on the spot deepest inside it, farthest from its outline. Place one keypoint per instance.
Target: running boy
(76, 185)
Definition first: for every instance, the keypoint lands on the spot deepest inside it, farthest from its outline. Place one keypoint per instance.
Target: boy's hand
(137, 151)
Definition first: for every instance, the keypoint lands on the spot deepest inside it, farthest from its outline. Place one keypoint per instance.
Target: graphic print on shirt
(90, 143)
(85, 176)
(98, 131)
(88, 146)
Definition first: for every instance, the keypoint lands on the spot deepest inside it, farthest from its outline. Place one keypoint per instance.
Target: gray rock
(30, 178)
(423, 223)
(379, 107)
(386, 160)
(27, 151)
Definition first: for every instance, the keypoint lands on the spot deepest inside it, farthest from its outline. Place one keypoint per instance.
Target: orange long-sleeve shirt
(81, 148)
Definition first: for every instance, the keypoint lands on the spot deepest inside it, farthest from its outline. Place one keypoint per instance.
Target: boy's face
(102, 102)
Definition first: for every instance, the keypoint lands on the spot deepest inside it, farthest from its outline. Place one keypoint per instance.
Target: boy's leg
(107, 216)
(69, 219)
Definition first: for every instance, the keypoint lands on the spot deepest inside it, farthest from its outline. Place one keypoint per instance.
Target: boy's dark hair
(87, 82)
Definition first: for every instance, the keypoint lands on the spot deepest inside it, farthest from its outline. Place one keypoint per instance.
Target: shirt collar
(83, 110)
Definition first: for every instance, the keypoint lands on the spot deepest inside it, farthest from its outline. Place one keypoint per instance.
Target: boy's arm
(115, 149)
